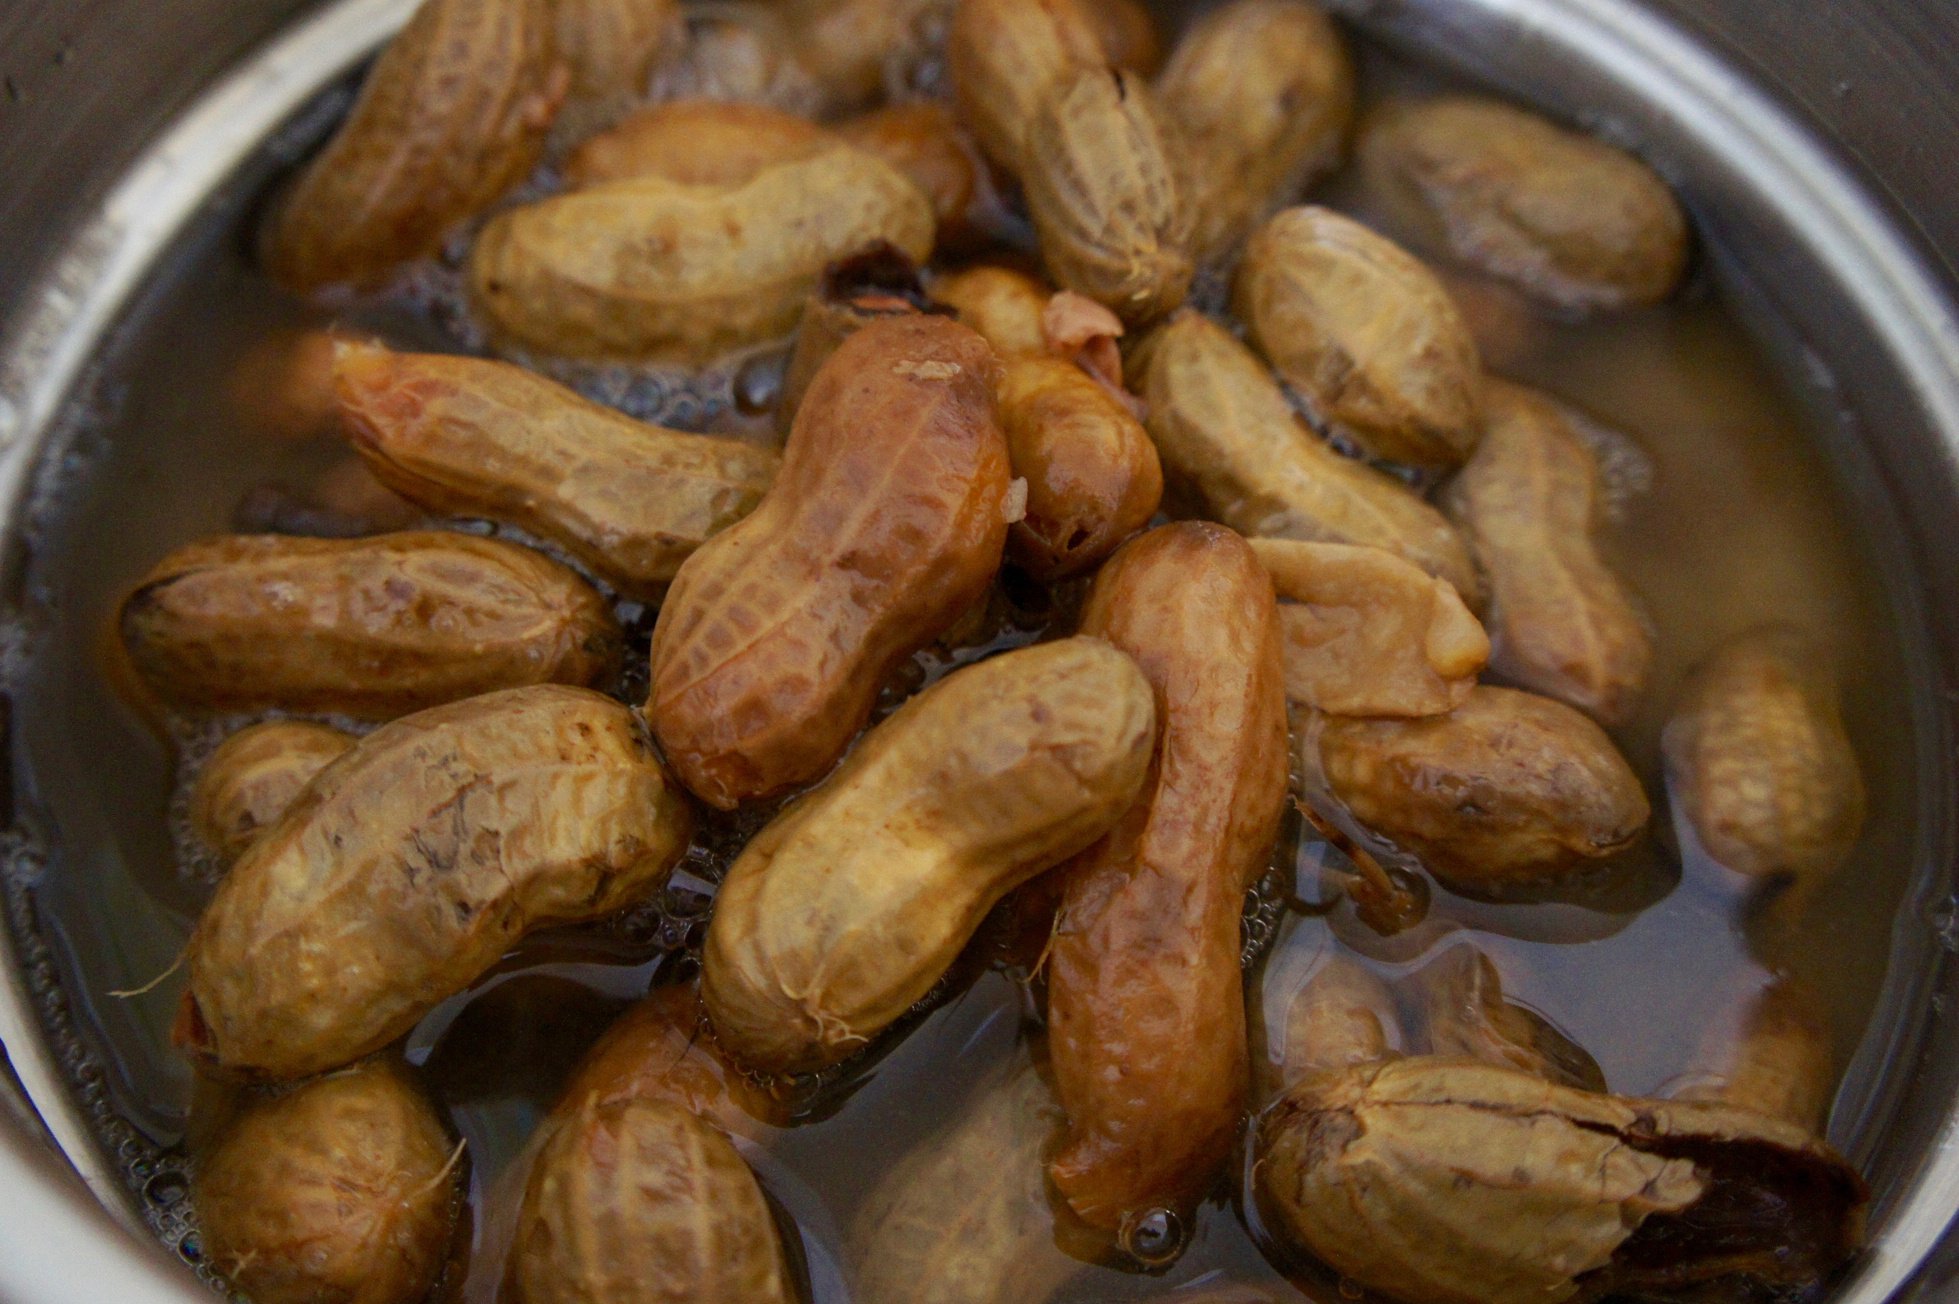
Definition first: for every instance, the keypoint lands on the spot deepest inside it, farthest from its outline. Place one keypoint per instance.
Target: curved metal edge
(77, 304)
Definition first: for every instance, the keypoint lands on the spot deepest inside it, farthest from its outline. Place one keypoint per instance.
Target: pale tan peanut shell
(344, 1189)
(1092, 475)
(1569, 218)
(1365, 334)
(1433, 1180)
(1007, 58)
(253, 776)
(1531, 502)
(1508, 790)
(453, 114)
(641, 1202)
(857, 50)
(371, 628)
(1262, 92)
(1224, 428)
(611, 48)
(648, 268)
(1758, 762)
(1146, 1002)
(885, 525)
(412, 863)
(740, 52)
(1367, 633)
(474, 437)
(1777, 1062)
(1342, 1015)
(1464, 1013)
(965, 1213)
(845, 910)
(1003, 305)
(696, 142)
(1100, 174)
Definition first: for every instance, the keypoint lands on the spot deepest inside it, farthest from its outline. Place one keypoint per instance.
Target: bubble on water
(1945, 925)
(1152, 1238)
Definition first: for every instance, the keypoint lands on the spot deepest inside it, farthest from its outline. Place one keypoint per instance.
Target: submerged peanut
(696, 143)
(1224, 427)
(965, 1214)
(611, 48)
(1758, 763)
(1563, 623)
(1262, 92)
(1778, 1062)
(473, 437)
(649, 268)
(1442, 1181)
(1508, 790)
(1092, 474)
(1562, 215)
(845, 910)
(253, 776)
(345, 1188)
(370, 628)
(1367, 633)
(1007, 58)
(412, 864)
(1365, 334)
(885, 524)
(1342, 1015)
(641, 1202)
(1146, 1008)
(453, 114)
(1102, 186)
(1003, 305)
(1464, 1013)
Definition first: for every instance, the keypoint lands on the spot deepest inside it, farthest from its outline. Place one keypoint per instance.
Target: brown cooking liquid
(1726, 520)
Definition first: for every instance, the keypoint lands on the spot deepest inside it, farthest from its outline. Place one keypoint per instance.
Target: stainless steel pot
(1812, 140)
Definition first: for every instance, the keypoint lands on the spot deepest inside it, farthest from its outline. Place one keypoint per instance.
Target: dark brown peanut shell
(1365, 334)
(1758, 763)
(1101, 179)
(473, 437)
(884, 525)
(1566, 217)
(1508, 790)
(1562, 622)
(343, 1189)
(1224, 428)
(371, 628)
(1146, 1008)
(1007, 58)
(1262, 92)
(454, 113)
(641, 1202)
(1128, 34)
(253, 776)
(696, 143)
(412, 864)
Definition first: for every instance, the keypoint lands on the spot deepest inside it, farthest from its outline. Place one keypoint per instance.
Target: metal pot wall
(1812, 140)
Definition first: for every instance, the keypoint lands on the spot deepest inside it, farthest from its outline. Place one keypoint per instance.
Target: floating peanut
(1007, 58)
(696, 143)
(1001, 304)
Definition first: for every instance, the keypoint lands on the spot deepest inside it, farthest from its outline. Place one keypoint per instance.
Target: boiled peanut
(1128, 35)
(1102, 186)
(1442, 1181)
(1146, 1009)
(253, 776)
(345, 1188)
(1367, 633)
(857, 49)
(282, 386)
(884, 525)
(612, 48)
(1564, 624)
(1365, 334)
(740, 53)
(1092, 475)
(640, 1202)
(453, 114)
(370, 628)
(412, 864)
(650, 268)
(1508, 790)
(1003, 305)
(1758, 763)
(845, 910)
(967, 1210)
(696, 143)
(1342, 1015)
(473, 437)
(1464, 1013)
(1262, 92)
(1562, 215)
(925, 142)
(1777, 1063)
(1007, 58)
(852, 294)
(1223, 425)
